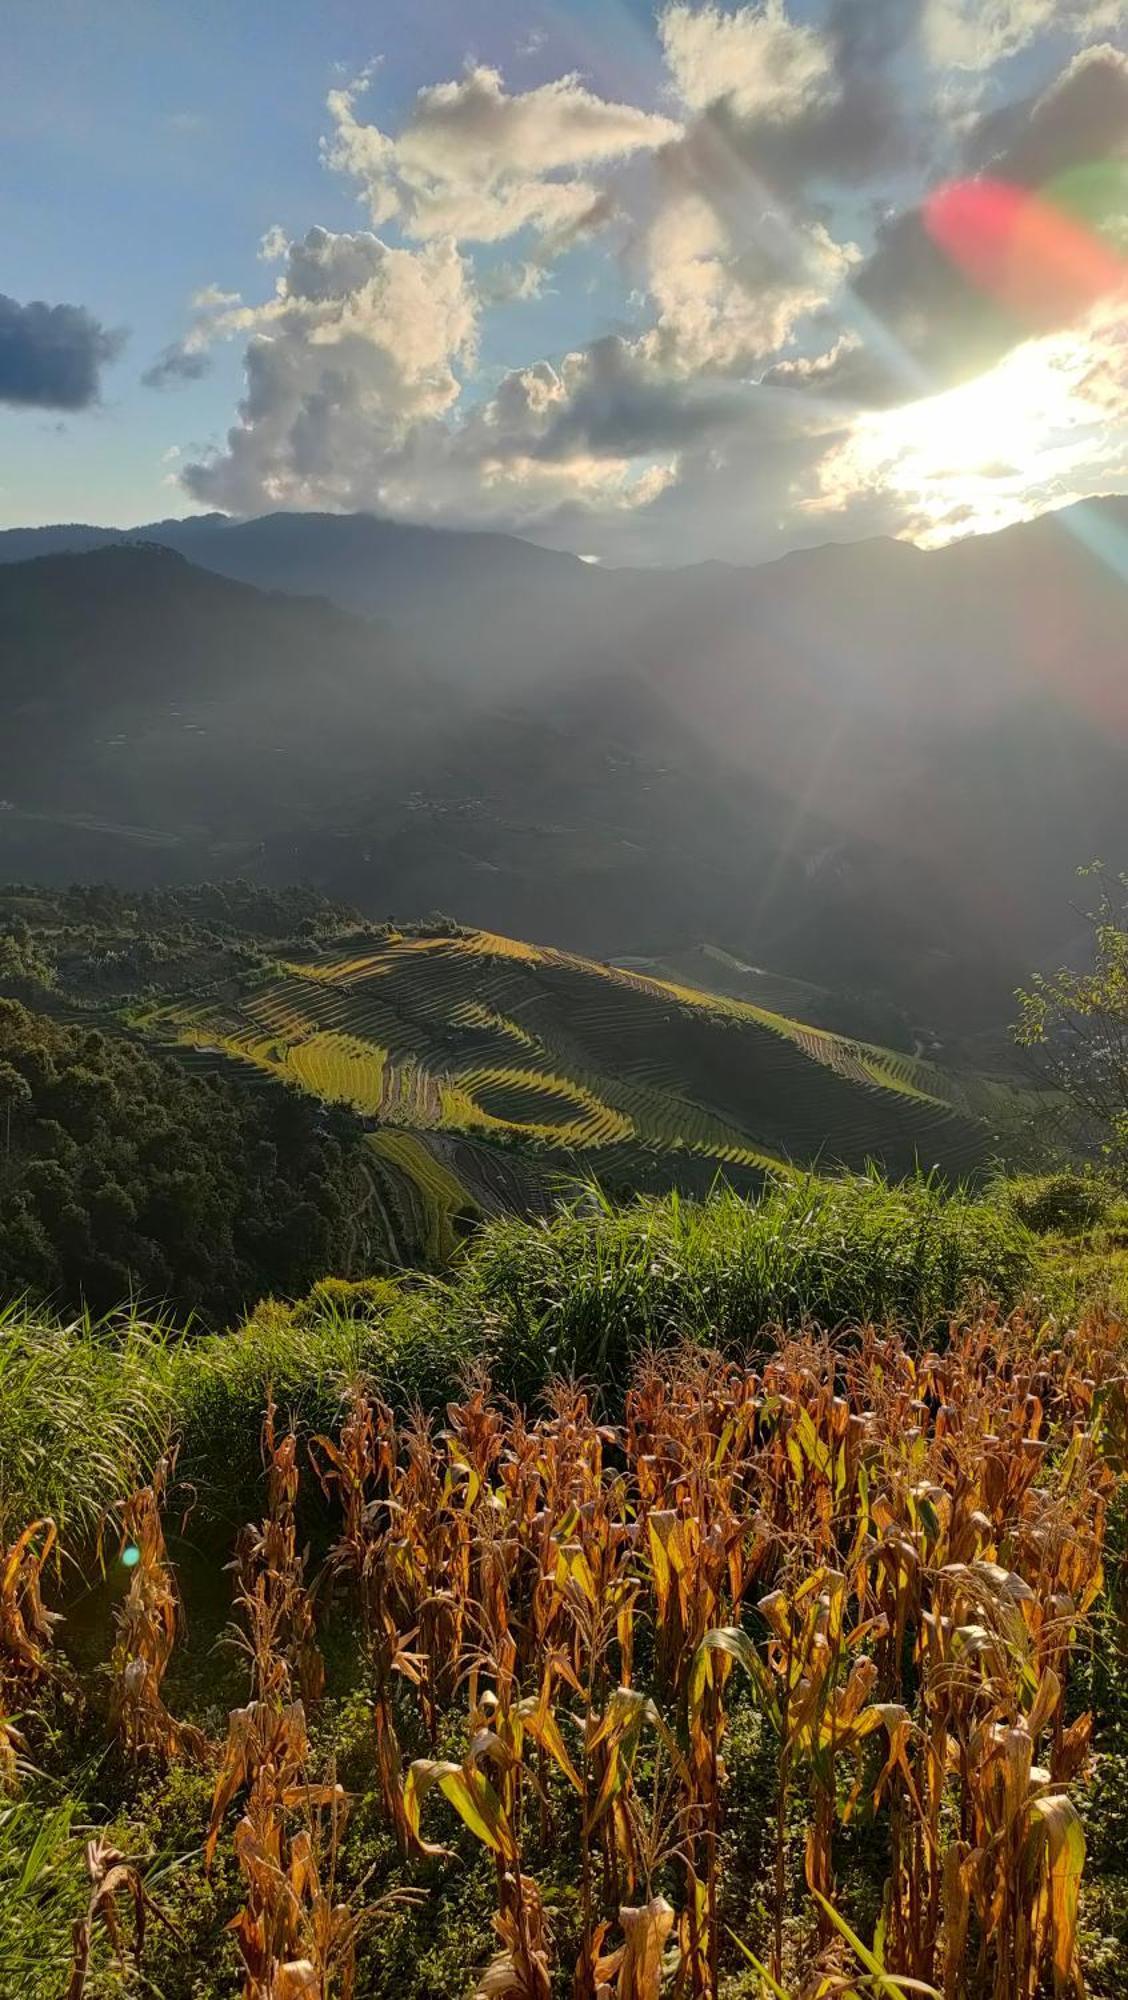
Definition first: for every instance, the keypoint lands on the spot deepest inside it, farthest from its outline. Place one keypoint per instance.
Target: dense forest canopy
(124, 1175)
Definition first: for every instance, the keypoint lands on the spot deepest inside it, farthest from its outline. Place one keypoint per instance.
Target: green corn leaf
(892, 1984)
(774, 1988)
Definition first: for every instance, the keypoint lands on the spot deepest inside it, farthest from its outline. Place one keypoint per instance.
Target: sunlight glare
(998, 449)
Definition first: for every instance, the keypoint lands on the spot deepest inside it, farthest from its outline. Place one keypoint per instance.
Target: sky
(655, 284)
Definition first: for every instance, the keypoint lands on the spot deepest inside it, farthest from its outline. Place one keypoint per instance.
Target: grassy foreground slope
(86, 1405)
(509, 1683)
(485, 1036)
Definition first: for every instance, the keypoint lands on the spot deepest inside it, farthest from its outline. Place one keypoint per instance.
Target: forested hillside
(123, 1176)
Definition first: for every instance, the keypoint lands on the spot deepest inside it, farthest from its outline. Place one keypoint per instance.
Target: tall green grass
(43, 1888)
(86, 1407)
(587, 1290)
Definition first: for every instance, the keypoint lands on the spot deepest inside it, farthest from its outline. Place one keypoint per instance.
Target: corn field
(886, 1558)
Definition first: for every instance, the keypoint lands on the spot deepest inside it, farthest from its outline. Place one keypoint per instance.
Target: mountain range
(867, 766)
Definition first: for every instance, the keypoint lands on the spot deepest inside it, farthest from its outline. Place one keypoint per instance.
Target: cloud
(868, 34)
(929, 321)
(354, 400)
(977, 34)
(188, 360)
(1037, 431)
(756, 60)
(725, 306)
(358, 346)
(789, 104)
(352, 390)
(180, 362)
(738, 492)
(479, 164)
(52, 357)
(750, 395)
(814, 370)
(1083, 116)
(610, 402)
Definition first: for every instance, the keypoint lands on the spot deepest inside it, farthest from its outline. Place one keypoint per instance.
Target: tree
(14, 1090)
(1076, 1025)
(121, 1172)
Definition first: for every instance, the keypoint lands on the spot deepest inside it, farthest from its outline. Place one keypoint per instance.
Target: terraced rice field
(489, 1037)
(431, 1204)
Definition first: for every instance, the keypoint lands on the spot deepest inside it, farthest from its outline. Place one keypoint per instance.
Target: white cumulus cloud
(724, 307)
(977, 34)
(764, 63)
(358, 346)
(734, 399)
(478, 163)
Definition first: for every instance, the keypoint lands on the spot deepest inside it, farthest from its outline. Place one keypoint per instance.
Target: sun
(998, 449)
(997, 421)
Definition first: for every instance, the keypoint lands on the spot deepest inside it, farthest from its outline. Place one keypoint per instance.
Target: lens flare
(1041, 264)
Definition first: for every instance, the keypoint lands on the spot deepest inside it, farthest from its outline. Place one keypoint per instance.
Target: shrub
(1067, 1202)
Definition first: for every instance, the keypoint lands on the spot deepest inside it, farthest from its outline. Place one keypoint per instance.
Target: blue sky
(644, 371)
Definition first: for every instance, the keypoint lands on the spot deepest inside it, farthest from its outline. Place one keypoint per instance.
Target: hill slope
(164, 724)
(154, 713)
(485, 1037)
(866, 766)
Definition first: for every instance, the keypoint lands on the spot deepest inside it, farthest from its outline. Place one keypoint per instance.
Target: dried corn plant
(891, 1553)
(279, 1627)
(296, 1936)
(113, 1880)
(25, 1633)
(147, 1624)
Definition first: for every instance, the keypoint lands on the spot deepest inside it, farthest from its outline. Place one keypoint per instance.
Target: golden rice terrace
(482, 1036)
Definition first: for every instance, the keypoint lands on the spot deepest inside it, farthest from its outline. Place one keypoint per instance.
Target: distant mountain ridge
(863, 764)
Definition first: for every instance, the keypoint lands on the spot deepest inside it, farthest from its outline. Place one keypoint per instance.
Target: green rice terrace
(669, 1599)
(487, 1038)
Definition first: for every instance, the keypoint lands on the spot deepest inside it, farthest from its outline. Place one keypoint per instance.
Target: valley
(564, 1000)
(419, 720)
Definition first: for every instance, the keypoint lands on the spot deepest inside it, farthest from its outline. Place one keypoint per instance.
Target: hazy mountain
(164, 724)
(155, 713)
(865, 764)
(485, 605)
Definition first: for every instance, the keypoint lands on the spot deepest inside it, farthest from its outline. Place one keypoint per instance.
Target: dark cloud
(51, 357)
(868, 34)
(1084, 116)
(740, 500)
(860, 128)
(620, 409)
(756, 168)
(931, 318)
(178, 363)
